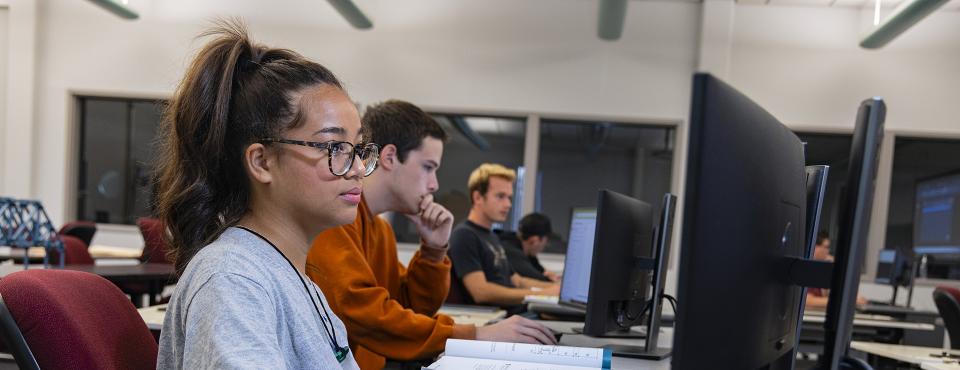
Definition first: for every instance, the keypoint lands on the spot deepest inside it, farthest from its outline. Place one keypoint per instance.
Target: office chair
(458, 293)
(75, 250)
(948, 304)
(154, 251)
(154, 247)
(58, 319)
(84, 230)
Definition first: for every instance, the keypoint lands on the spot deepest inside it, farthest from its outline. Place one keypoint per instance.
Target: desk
(570, 338)
(153, 316)
(96, 251)
(154, 275)
(476, 315)
(909, 354)
(880, 322)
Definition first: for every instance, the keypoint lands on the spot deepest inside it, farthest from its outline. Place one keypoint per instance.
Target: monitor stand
(627, 333)
(620, 350)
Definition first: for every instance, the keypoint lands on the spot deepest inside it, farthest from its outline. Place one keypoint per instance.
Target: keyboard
(541, 299)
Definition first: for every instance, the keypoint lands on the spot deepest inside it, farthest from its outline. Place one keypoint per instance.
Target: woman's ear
(388, 157)
(259, 163)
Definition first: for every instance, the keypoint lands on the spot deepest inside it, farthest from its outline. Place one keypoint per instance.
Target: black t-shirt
(526, 266)
(475, 248)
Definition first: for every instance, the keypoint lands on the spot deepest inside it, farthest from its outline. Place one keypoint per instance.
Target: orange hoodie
(389, 310)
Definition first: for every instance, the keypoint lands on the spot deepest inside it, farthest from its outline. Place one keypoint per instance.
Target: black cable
(673, 303)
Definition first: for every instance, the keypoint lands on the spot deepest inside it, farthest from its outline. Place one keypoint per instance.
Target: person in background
(390, 311)
(479, 261)
(817, 298)
(260, 151)
(523, 246)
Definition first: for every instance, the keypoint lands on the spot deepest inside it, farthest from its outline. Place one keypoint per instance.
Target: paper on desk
(465, 363)
(521, 352)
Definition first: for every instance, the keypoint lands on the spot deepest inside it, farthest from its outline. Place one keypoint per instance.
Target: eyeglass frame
(358, 149)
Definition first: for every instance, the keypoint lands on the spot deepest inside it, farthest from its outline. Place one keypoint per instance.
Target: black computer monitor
(893, 268)
(936, 226)
(744, 217)
(856, 206)
(619, 285)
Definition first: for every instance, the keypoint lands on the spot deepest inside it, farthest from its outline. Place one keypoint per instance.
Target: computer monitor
(893, 268)
(856, 206)
(816, 191)
(619, 284)
(936, 226)
(575, 286)
(744, 218)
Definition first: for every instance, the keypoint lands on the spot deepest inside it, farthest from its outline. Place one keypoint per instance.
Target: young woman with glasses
(261, 150)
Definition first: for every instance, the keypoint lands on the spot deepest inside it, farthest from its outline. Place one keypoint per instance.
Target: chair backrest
(84, 230)
(72, 319)
(458, 293)
(948, 304)
(76, 251)
(154, 248)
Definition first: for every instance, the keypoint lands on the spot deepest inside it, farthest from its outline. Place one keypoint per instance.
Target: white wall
(18, 126)
(804, 65)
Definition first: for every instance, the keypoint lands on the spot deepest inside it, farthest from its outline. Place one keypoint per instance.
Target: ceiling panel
(953, 5)
(801, 2)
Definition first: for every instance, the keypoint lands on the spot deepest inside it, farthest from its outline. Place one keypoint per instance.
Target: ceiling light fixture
(352, 14)
(876, 13)
(610, 17)
(903, 17)
(121, 10)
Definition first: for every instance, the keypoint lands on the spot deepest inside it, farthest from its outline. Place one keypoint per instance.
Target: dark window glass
(472, 140)
(579, 158)
(116, 150)
(916, 160)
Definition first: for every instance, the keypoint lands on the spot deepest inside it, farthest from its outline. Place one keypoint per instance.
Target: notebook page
(595, 358)
(465, 363)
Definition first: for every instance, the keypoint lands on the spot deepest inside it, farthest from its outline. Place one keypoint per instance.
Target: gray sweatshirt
(239, 305)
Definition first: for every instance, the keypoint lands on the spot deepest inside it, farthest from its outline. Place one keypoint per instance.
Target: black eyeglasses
(340, 154)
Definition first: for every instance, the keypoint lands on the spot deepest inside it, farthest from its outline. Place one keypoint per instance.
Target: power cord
(624, 320)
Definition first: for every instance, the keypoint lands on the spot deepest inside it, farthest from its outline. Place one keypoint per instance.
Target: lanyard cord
(339, 352)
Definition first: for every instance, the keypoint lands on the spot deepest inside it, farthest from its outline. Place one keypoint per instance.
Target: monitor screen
(576, 269)
(885, 266)
(936, 224)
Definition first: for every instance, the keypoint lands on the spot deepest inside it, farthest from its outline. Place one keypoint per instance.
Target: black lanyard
(338, 351)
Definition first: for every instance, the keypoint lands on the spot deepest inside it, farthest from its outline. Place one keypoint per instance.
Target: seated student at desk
(391, 311)
(817, 298)
(479, 261)
(242, 194)
(523, 246)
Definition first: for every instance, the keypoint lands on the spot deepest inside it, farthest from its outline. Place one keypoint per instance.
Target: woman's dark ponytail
(234, 93)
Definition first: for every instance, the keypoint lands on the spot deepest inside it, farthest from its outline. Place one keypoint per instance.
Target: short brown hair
(480, 177)
(402, 124)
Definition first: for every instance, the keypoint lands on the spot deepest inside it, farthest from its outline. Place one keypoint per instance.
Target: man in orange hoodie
(391, 311)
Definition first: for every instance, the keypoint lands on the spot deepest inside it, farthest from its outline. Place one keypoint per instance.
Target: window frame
(71, 170)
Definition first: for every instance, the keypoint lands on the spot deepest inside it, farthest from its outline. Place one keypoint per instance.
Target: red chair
(58, 319)
(84, 230)
(154, 247)
(76, 251)
(948, 304)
